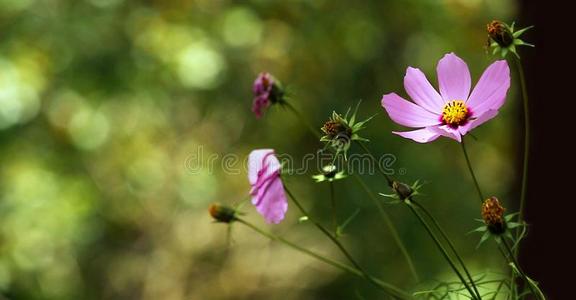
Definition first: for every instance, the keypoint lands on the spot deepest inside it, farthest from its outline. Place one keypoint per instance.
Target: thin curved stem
(330, 236)
(535, 290)
(370, 193)
(333, 206)
(472, 171)
(390, 225)
(441, 248)
(389, 288)
(377, 163)
(450, 244)
(302, 119)
(526, 146)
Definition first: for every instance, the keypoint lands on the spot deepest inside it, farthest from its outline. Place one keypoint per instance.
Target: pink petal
(423, 135)
(407, 113)
(272, 202)
(260, 159)
(448, 131)
(421, 91)
(490, 91)
(453, 78)
(478, 121)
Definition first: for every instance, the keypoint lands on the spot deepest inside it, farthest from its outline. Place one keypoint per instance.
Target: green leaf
(392, 196)
(479, 229)
(510, 216)
(353, 117)
(485, 237)
(512, 225)
(340, 229)
(521, 31)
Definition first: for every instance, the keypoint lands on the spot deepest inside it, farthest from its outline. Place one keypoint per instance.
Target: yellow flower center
(455, 113)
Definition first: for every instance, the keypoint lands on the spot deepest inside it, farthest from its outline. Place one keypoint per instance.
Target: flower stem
(471, 171)
(441, 248)
(450, 244)
(302, 119)
(526, 146)
(390, 225)
(331, 237)
(333, 204)
(531, 285)
(389, 288)
(384, 215)
(377, 163)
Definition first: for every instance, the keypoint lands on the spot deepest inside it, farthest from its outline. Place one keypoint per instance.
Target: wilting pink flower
(267, 190)
(267, 91)
(454, 111)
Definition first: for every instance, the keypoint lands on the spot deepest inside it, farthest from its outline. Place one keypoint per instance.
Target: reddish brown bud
(493, 215)
(500, 33)
(222, 213)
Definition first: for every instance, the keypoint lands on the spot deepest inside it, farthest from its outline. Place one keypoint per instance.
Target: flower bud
(222, 213)
(500, 33)
(267, 91)
(493, 215)
(402, 190)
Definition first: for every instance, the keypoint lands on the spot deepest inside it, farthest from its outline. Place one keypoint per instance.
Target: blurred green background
(105, 103)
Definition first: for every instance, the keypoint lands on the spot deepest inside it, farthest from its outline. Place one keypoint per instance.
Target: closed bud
(222, 213)
(402, 190)
(493, 215)
(267, 91)
(500, 33)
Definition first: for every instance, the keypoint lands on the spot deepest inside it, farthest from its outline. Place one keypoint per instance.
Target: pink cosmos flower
(267, 190)
(267, 91)
(454, 111)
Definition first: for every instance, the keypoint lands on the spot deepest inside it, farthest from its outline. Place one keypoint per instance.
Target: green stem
(533, 288)
(377, 163)
(333, 204)
(389, 288)
(526, 146)
(302, 119)
(441, 248)
(450, 244)
(390, 225)
(329, 235)
(372, 196)
(471, 170)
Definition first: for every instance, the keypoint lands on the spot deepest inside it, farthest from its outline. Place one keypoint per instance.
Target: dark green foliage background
(104, 103)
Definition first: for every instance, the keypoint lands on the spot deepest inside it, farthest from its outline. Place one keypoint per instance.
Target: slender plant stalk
(472, 171)
(388, 288)
(330, 236)
(441, 248)
(383, 213)
(333, 204)
(367, 189)
(390, 225)
(450, 244)
(301, 118)
(524, 187)
(377, 163)
(534, 289)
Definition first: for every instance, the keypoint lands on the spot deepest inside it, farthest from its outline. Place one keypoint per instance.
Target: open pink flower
(454, 111)
(267, 190)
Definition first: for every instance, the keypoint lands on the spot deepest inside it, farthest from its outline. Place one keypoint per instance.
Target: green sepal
(484, 238)
(340, 228)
